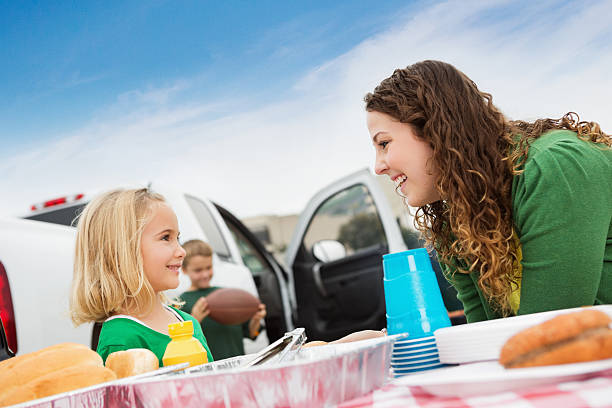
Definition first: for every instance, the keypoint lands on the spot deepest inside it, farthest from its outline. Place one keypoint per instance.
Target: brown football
(231, 305)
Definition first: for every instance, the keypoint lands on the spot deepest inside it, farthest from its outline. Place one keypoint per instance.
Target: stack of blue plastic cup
(414, 306)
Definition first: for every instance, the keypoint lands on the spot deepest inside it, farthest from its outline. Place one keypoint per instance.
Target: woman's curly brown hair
(476, 152)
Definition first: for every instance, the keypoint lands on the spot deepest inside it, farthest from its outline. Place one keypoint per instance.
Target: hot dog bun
(69, 379)
(60, 368)
(16, 395)
(568, 338)
(9, 363)
(132, 362)
(46, 361)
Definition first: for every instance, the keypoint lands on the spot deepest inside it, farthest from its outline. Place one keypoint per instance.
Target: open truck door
(335, 257)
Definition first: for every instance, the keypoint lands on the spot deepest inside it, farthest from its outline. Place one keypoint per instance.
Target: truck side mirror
(328, 250)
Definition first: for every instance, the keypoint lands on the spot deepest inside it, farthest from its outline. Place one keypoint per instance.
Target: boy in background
(224, 341)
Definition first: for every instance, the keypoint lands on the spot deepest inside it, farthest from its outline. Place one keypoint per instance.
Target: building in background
(274, 231)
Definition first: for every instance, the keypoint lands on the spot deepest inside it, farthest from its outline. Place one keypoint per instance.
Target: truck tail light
(56, 201)
(7, 312)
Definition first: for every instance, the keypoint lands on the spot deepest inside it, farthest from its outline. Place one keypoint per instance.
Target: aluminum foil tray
(314, 377)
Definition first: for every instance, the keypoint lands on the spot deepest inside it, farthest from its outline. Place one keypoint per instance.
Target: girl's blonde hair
(108, 266)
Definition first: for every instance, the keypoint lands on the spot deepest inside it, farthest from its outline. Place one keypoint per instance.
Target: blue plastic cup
(412, 295)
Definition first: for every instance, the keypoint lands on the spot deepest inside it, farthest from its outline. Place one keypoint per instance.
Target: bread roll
(67, 379)
(9, 363)
(59, 368)
(46, 361)
(132, 362)
(15, 395)
(568, 338)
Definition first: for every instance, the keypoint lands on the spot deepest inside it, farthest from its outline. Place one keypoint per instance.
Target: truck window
(349, 217)
(63, 216)
(210, 227)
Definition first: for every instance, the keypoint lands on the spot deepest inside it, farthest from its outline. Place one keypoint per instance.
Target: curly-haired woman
(519, 213)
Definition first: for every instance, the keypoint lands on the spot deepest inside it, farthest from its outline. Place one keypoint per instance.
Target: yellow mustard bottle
(183, 348)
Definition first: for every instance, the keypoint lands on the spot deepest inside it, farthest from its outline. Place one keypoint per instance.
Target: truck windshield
(63, 216)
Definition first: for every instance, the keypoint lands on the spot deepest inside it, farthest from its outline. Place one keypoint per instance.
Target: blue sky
(65, 60)
(259, 104)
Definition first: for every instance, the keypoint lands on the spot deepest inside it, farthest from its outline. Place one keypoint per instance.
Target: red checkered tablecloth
(593, 392)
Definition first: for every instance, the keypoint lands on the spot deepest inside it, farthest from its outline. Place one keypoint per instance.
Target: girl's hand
(200, 309)
(255, 322)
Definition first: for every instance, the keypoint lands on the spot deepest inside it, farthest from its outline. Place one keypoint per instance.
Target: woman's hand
(255, 322)
(200, 309)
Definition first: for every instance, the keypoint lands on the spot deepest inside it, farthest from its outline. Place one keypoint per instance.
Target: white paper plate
(418, 370)
(490, 377)
(483, 341)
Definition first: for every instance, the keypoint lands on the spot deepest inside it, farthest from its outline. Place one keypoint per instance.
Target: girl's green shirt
(124, 333)
(562, 211)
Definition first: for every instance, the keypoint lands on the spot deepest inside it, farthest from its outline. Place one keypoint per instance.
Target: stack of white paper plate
(483, 341)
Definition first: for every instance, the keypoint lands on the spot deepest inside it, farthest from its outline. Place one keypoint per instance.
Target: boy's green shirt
(225, 341)
(562, 211)
(124, 333)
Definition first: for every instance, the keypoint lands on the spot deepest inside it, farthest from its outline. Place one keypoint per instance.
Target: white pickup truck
(35, 275)
(331, 284)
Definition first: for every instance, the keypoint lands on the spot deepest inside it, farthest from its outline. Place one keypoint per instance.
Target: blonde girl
(127, 254)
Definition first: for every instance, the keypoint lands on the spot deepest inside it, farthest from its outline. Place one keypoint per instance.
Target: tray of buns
(482, 341)
(281, 375)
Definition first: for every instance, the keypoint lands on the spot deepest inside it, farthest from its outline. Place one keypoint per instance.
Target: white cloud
(542, 60)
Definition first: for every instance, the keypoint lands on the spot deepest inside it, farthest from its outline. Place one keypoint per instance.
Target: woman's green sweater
(562, 211)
